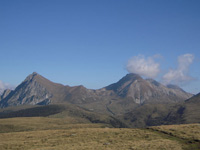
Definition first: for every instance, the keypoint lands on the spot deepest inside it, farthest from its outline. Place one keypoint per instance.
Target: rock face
(28, 92)
(147, 91)
(5, 93)
(37, 90)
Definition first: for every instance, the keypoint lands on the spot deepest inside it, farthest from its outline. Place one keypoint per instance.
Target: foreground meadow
(40, 133)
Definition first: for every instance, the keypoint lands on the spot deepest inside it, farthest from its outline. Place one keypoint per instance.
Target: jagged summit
(34, 73)
(31, 76)
(125, 81)
(131, 76)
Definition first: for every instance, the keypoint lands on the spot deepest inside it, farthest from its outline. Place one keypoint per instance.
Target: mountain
(5, 93)
(147, 91)
(125, 94)
(158, 114)
(4, 86)
(132, 101)
(30, 91)
(131, 92)
(195, 99)
(37, 90)
(191, 111)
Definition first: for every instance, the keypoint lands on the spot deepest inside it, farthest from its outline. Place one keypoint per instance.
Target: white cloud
(181, 74)
(143, 66)
(4, 86)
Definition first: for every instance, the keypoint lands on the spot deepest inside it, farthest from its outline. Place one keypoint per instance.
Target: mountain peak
(125, 81)
(132, 76)
(34, 73)
(31, 76)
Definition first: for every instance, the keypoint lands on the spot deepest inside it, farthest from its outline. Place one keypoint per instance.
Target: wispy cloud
(4, 86)
(180, 75)
(144, 66)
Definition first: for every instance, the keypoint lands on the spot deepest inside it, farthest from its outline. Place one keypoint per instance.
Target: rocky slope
(147, 91)
(5, 93)
(130, 90)
(37, 90)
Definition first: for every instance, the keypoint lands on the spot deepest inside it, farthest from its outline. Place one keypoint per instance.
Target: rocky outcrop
(28, 92)
(37, 90)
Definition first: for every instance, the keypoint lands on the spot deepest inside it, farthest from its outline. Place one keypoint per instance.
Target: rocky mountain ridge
(145, 91)
(37, 90)
(132, 101)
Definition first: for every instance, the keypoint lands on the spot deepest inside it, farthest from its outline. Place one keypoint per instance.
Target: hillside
(55, 133)
(158, 114)
(140, 116)
(66, 111)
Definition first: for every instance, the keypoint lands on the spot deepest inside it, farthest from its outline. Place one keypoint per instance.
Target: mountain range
(133, 101)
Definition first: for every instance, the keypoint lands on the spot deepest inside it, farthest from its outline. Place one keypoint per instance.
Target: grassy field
(42, 133)
(186, 132)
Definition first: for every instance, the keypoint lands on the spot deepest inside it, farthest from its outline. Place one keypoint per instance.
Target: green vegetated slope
(66, 111)
(140, 116)
(164, 114)
(46, 133)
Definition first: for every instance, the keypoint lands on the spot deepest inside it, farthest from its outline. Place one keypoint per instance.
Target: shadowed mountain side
(195, 99)
(187, 112)
(111, 106)
(66, 111)
(159, 114)
(192, 109)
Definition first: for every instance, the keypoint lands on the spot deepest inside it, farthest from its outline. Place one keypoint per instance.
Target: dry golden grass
(185, 131)
(86, 138)
(41, 133)
(42, 123)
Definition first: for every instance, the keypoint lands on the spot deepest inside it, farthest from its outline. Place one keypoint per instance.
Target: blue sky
(91, 42)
